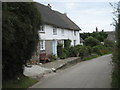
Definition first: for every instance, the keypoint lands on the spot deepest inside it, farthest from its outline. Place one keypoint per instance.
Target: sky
(87, 14)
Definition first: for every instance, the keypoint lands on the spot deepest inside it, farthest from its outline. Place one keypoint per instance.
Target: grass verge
(90, 57)
(23, 82)
(93, 56)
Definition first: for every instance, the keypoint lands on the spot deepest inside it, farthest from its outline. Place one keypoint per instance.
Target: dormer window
(54, 31)
(42, 29)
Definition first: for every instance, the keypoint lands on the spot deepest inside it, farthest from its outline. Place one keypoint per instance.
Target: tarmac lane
(95, 73)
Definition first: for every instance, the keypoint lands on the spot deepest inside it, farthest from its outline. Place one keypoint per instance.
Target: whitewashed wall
(68, 34)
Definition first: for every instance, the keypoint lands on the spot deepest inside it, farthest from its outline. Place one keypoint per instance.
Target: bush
(108, 43)
(84, 51)
(90, 41)
(52, 57)
(20, 25)
(59, 49)
(67, 43)
(100, 50)
(73, 51)
(63, 55)
(90, 49)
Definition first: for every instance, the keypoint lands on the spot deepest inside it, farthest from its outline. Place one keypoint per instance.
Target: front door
(54, 47)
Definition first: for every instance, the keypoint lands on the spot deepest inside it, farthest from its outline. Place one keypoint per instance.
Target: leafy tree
(90, 41)
(116, 54)
(85, 35)
(101, 36)
(20, 23)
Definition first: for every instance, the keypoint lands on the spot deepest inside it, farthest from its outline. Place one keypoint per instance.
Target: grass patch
(90, 57)
(23, 82)
(94, 56)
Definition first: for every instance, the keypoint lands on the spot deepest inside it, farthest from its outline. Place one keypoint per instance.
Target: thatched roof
(55, 18)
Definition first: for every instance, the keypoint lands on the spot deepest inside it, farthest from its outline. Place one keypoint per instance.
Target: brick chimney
(49, 5)
(96, 29)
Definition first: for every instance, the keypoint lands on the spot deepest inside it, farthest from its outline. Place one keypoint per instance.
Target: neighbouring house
(56, 28)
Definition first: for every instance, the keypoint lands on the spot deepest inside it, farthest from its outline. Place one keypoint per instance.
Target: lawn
(23, 82)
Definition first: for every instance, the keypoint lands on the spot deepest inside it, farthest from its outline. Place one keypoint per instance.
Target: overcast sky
(87, 14)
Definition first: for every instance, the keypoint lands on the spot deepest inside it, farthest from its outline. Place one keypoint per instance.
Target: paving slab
(38, 71)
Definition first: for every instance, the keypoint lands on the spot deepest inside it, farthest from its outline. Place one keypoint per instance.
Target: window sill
(41, 32)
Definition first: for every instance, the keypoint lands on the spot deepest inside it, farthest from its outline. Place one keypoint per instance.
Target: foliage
(101, 36)
(101, 50)
(90, 41)
(52, 57)
(90, 57)
(67, 43)
(73, 51)
(61, 52)
(19, 83)
(85, 35)
(59, 49)
(116, 54)
(108, 43)
(20, 22)
(63, 55)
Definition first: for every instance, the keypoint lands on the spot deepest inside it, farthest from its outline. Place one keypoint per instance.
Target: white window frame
(62, 31)
(42, 30)
(42, 44)
(54, 31)
(74, 33)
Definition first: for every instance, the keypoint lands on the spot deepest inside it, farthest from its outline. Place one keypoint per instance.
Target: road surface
(95, 73)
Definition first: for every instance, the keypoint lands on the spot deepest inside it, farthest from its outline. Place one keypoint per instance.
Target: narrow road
(95, 73)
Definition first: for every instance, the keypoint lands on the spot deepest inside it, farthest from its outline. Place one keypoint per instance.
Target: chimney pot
(49, 5)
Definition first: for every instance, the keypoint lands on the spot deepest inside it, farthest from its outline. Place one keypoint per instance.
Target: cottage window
(62, 31)
(42, 45)
(75, 33)
(54, 31)
(42, 28)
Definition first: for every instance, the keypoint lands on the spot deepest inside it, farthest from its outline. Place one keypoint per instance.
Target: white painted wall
(68, 34)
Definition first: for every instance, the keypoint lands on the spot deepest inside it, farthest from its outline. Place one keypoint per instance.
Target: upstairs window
(54, 31)
(75, 33)
(42, 29)
(62, 31)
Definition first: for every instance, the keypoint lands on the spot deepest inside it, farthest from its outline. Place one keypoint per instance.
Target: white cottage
(56, 27)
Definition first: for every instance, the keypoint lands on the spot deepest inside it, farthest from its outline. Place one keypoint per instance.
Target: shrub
(100, 49)
(67, 43)
(63, 55)
(52, 57)
(90, 41)
(108, 43)
(59, 49)
(83, 50)
(20, 25)
(90, 49)
(73, 51)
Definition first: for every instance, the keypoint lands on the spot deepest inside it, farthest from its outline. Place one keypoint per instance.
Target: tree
(90, 41)
(101, 36)
(20, 25)
(116, 54)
